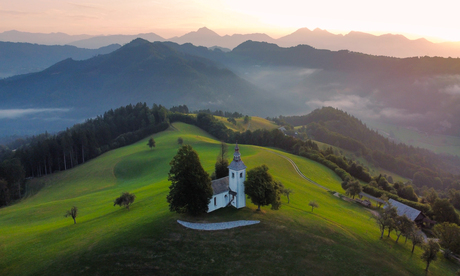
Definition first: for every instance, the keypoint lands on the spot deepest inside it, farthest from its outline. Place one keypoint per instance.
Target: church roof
(219, 185)
(403, 209)
(237, 164)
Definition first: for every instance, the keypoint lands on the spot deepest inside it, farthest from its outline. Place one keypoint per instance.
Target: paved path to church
(217, 226)
(298, 171)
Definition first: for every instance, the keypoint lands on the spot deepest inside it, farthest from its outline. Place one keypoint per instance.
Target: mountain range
(21, 58)
(255, 78)
(140, 71)
(387, 44)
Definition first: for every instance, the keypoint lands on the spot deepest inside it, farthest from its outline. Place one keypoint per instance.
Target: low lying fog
(432, 103)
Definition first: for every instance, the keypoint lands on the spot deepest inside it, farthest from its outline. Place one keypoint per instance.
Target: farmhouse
(229, 190)
(413, 214)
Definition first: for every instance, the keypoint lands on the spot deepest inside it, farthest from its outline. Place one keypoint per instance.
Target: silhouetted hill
(208, 38)
(100, 41)
(22, 58)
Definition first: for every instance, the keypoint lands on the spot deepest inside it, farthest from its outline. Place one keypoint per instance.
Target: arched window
(241, 175)
(215, 201)
(233, 175)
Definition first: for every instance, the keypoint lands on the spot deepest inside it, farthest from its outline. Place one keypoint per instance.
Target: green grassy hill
(254, 124)
(338, 238)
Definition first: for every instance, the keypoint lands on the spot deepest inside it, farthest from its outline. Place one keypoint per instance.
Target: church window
(241, 175)
(215, 201)
(233, 175)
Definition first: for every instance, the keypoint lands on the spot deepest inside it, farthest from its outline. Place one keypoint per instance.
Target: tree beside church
(190, 190)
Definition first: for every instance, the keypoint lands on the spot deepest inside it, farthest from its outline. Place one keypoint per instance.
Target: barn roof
(403, 209)
(219, 185)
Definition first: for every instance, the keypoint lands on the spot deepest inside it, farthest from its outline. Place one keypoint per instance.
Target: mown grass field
(338, 238)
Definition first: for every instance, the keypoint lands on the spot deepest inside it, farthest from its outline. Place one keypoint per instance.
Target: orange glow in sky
(435, 20)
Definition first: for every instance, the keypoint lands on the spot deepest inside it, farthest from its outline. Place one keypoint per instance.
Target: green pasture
(338, 238)
(254, 124)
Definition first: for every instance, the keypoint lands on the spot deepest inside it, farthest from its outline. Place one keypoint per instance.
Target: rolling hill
(337, 238)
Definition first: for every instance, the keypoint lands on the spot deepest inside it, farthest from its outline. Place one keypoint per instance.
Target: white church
(229, 190)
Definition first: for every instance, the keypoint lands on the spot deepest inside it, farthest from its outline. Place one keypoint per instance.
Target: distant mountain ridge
(392, 45)
(41, 38)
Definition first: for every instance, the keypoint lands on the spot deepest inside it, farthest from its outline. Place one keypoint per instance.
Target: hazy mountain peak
(136, 42)
(204, 32)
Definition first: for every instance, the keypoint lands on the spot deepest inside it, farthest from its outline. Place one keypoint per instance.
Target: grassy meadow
(338, 238)
(253, 124)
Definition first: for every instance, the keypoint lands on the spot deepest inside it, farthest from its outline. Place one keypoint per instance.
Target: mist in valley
(430, 103)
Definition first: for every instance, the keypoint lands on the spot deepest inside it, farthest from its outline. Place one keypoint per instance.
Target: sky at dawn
(434, 20)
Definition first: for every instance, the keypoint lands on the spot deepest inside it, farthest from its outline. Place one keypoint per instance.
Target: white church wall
(218, 201)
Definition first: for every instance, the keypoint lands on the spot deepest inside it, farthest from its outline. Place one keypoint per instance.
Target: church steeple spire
(237, 155)
(237, 164)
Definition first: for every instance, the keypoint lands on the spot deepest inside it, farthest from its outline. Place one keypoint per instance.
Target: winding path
(298, 171)
(218, 225)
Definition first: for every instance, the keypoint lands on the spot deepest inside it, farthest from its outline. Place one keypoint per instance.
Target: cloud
(365, 108)
(453, 90)
(18, 113)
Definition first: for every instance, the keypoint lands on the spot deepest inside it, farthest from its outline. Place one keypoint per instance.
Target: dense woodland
(44, 154)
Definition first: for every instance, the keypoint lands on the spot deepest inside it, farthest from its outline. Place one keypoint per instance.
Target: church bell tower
(237, 175)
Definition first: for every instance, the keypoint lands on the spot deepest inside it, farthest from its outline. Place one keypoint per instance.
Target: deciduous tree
(261, 188)
(73, 212)
(449, 236)
(151, 143)
(125, 200)
(313, 205)
(416, 237)
(190, 190)
(430, 252)
(403, 226)
(444, 211)
(353, 188)
(221, 166)
(287, 192)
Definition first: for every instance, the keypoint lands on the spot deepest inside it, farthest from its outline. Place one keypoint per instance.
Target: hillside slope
(337, 238)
